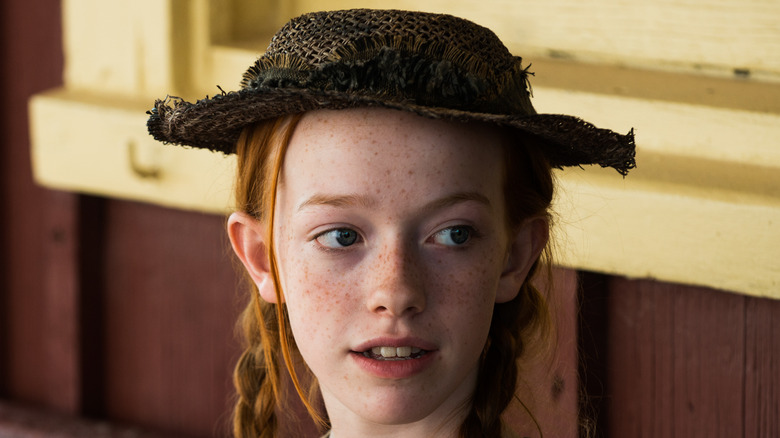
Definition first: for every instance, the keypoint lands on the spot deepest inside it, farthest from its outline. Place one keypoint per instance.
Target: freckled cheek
(312, 288)
(467, 295)
(467, 282)
(320, 309)
(308, 280)
(465, 306)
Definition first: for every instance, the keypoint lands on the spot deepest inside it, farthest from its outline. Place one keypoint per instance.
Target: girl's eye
(338, 238)
(453, 236)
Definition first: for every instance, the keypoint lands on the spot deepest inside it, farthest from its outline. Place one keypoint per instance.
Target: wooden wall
(664, 360)
(108, 309)
(25, 207)
(117, 316)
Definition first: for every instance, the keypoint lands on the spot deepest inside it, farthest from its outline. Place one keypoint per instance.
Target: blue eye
(338, 238)
(453, 236)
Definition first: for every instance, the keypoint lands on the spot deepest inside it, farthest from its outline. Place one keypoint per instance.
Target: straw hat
(434, 65)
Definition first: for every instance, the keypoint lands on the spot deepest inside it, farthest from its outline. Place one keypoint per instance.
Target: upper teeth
(395, 351)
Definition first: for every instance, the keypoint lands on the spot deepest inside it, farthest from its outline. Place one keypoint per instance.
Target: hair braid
(256, 375)
(528, 191)
(512, 322)
(498, 368)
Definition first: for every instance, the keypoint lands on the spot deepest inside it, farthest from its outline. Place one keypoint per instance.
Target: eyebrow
(456, 198)
(338, 201)
(362, 201)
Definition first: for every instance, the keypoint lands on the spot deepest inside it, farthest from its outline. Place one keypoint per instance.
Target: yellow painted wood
(157, 47)
(740, 93)
(702, 137)
(703, 207)
(100, 146)
(689, 225)
(692, 35)
(237, 20)
(137, 47)
(638, 229)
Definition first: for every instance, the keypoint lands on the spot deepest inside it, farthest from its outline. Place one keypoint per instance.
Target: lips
(392, 358)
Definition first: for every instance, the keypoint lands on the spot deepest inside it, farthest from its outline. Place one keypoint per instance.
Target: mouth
(395, 357)
(394, 353)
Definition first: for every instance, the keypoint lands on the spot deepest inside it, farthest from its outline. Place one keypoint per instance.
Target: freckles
(332, 295)
(473, 285)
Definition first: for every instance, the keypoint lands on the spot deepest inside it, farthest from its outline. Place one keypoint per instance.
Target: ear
(247, 236)
(524, 250)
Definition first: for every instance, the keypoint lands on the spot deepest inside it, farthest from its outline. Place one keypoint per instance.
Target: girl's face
(392, 249)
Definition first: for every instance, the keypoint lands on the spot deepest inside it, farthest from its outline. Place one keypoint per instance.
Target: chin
(397, 410)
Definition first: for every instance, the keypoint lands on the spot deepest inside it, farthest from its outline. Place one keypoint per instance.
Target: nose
(396, 282)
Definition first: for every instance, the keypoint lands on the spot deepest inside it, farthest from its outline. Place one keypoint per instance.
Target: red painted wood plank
(675, 361)
(762, 368)
(170, 305)
(61, 312)
(31, 50)
(639, 361)
(709, 351)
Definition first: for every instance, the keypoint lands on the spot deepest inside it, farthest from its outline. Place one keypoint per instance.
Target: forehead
(393, 130)
(391, 151)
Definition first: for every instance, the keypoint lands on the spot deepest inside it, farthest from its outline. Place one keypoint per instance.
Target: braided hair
(528, 192)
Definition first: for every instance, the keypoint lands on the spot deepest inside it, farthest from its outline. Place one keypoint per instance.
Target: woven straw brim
(216, 123)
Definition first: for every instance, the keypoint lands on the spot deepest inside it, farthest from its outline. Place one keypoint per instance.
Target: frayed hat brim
(215, 123)
(433, 65)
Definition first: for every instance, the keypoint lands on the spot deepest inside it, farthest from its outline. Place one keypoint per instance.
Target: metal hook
(144, 172)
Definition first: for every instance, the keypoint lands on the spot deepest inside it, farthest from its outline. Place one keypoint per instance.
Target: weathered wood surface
(31, 53)
(762, 368)
(688, 362)
(170, 303)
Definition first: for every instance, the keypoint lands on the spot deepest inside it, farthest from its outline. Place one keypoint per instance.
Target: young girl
(393, 188)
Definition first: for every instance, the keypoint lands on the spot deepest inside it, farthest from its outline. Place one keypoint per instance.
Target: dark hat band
(398, 74)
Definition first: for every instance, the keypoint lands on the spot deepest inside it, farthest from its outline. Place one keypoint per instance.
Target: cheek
(317, 280)
(467, 288)
(474, 276)
(316, 298)
(306, 285)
